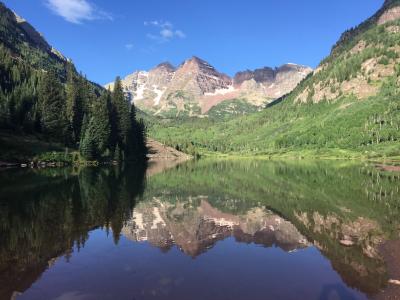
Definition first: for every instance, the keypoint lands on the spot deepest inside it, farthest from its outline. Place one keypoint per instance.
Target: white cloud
(180, 34)
(77, 11)
(154, 23)
(129, 46)
(165, 31)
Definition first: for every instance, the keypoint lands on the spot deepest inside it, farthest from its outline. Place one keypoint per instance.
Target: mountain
(348, 107)
(26, 42)
(195, 87)
(274, 82)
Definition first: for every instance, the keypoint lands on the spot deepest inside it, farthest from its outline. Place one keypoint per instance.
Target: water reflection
(256, 222)
(195, 226)
(47, 213)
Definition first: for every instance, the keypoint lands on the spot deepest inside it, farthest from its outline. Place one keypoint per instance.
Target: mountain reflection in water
(226, 230)
(197, 228)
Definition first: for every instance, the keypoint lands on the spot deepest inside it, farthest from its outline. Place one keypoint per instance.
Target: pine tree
(11, 112)
(75, 102)
(142, 138)
(131, 147)
(117, 154)
(4, 112)
(120, 114)
(85, 125)
(87, 146)
(136, 141)
(52, 106)
(99, 125)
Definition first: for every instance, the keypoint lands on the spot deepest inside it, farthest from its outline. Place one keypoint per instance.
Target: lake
(211, 229)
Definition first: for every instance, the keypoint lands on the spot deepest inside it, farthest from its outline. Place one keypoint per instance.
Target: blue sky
(107, 38)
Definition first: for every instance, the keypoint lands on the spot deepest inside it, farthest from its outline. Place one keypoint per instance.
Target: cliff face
(196, 86)
(197, 77)
(391, 14)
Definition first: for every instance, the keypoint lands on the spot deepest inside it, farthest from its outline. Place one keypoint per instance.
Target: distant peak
(165, 65)
(197, 60)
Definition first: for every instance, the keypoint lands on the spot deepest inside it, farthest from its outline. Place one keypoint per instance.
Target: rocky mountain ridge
(195, 86)
(36, 37)
(22, 38)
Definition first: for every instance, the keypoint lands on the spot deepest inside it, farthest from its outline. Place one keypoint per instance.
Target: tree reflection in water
(48, 213)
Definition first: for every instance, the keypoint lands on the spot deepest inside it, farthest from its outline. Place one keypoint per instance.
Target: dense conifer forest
(75, 114)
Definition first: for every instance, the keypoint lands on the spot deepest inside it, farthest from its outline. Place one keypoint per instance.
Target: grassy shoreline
(338, 154)
(16, 150)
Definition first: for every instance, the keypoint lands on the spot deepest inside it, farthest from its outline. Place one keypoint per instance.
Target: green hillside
(349, 107)
(25, 42)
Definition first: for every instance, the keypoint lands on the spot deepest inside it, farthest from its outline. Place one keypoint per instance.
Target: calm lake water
(200, 230)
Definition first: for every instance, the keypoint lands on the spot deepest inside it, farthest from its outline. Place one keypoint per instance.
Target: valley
(244, 158)
(347, 108)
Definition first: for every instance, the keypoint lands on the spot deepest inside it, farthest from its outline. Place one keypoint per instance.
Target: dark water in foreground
(205, 230)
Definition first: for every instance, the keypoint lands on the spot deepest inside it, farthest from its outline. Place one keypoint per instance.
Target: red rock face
(389, 15)
(198, 77)
(208, 102)
(267, 76)
(263, 75)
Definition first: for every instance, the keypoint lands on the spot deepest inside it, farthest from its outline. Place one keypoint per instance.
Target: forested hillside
(48, 110)
(349, 107)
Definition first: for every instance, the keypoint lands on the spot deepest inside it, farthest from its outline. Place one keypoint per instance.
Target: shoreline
(296, 156)
(388, 164)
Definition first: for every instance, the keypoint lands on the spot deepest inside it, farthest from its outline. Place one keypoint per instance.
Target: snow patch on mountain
(196, 83)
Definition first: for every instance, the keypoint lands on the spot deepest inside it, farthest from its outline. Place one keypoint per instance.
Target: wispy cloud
(180, 34)
(77, 11)
(164, 32)
(129, 46)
